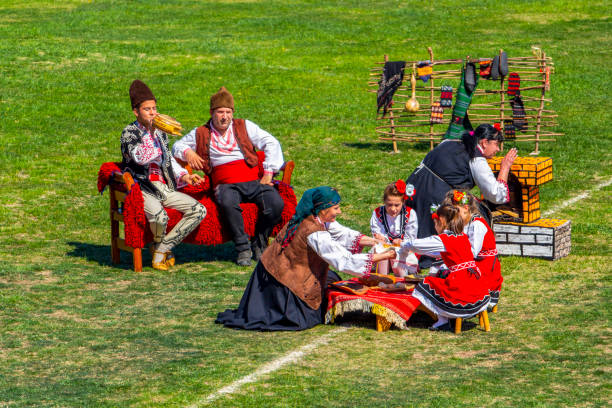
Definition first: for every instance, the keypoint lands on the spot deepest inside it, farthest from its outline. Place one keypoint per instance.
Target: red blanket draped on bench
(211, 230)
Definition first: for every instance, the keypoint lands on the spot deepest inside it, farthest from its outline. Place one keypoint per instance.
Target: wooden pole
(502, 99)
(431, 98)
(539, 120)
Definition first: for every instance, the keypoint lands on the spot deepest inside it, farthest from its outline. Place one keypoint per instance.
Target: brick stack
(521, 231)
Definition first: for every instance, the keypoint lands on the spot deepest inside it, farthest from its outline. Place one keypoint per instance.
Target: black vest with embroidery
(381, 215)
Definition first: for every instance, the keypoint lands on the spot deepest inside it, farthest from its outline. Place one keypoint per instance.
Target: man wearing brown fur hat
(147, 157)
(224, 148)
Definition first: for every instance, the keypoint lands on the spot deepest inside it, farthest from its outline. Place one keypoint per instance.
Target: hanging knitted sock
(437, 113)
(424, 70)
(509, 130)
(470, 78)
(514, 83)
(518, 113)
(460, 122)
(485, 68)
(446, 96)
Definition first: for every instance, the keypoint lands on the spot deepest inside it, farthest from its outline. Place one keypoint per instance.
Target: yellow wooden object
(530, 171)
(458, 322)
(483, 322)
(494, 309)
(382, 324)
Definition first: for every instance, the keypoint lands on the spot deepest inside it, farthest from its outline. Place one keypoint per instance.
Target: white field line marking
(577, 198)
(289, 358)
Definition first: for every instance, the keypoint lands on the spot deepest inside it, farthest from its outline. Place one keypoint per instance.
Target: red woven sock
(514, 83)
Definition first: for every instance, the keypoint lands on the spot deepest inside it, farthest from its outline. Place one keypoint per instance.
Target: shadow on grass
(387, 147)
(184, 253)
(419, 320)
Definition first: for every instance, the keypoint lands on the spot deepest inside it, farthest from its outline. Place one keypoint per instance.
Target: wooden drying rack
(489, 102)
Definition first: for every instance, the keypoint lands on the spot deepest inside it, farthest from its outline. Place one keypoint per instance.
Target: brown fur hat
(140, 92)
(222, 99)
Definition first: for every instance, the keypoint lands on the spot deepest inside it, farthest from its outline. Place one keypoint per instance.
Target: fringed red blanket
(396, 307)
(106, 173)
(211, 230)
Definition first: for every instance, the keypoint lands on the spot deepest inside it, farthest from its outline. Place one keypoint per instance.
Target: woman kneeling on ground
(287, 288)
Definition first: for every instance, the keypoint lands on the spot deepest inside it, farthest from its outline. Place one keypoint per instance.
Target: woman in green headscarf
(287, 287)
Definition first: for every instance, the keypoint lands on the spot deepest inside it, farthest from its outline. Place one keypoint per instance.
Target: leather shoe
(170, 259)
(257, 251)
(160, 266)
(244, 258)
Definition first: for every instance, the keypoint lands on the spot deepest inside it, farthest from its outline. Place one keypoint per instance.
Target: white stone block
(538, 250)
(522, 238)
(509, 249)
(536, 230)
(544, 239)
(501, 238)
(505, 228)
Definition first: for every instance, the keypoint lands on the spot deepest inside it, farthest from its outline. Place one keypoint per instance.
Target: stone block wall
(545, 238)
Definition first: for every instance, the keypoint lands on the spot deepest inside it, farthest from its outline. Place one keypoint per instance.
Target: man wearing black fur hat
(147, 157)
(224, 148)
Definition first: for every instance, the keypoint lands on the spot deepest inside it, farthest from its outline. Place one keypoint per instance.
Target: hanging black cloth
(392, 77)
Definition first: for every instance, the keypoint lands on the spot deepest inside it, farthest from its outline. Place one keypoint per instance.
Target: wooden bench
(124, 182)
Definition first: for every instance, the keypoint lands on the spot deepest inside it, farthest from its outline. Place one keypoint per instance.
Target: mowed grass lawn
(76, 330)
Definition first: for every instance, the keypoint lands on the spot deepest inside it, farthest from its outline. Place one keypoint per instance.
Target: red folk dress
(464, 292)
(487, 260)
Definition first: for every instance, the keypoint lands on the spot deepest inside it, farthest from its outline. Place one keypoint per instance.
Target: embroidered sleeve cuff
(368, 265)
(507, 199)
(355, 247)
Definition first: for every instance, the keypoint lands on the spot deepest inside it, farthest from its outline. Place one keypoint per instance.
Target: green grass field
(76, 330)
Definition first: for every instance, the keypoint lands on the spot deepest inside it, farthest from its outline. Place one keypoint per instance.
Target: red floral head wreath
(460, 197)
(406, 189)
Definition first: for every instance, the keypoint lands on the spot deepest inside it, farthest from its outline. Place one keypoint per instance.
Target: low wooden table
(390, 308)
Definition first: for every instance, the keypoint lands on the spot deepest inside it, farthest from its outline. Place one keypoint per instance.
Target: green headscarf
(313, 201)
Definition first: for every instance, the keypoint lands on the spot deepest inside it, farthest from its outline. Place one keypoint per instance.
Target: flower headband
(406, 189)
(460, 197)
(433, 209)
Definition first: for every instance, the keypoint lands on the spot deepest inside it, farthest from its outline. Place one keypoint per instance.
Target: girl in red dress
(463, 293)
(482, 239)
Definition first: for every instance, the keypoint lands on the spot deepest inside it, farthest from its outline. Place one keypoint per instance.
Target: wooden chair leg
(137, 255)
(115, 255)
(494, 309)
(458, 325)
(382, 324)
(485, 318)
(480, 320)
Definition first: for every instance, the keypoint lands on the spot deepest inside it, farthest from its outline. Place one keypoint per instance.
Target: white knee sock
(441, 322)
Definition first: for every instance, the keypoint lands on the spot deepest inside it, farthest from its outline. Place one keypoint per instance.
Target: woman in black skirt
(287, 288)
(458, 165)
